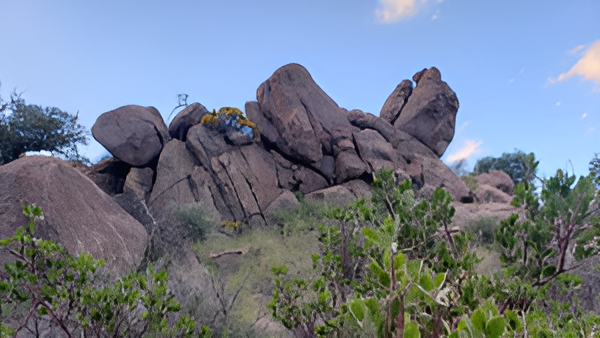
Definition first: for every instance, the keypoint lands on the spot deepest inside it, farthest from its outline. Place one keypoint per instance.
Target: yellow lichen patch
(228, 111)
(232, 227)
(210, 118)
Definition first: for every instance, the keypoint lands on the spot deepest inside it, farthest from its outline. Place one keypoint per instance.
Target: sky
(526, 73)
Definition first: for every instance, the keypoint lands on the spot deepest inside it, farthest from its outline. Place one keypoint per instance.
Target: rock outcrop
(308, 144)
(133, 134)
(497, 179)
(77, 213)
(429, 114)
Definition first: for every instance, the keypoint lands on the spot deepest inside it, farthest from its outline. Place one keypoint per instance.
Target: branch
(229, 252)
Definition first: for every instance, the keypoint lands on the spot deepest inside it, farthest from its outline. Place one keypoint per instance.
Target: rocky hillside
(293, 139)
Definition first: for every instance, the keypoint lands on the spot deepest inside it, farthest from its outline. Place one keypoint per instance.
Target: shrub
(195, 221)
(395, 269)
(45, 286)
(304, 217)
(470, 181)
(482, 230)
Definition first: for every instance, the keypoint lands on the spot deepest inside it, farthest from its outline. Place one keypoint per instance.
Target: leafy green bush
(195, 221)
(395, 269)
(305, 217)
(47, 287)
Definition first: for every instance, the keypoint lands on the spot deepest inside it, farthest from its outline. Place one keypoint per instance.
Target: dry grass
(251, 272)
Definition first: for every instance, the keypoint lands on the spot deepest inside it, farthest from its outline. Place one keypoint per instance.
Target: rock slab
(77, 214)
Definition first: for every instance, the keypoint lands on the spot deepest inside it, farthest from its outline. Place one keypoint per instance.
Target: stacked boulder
(308, 144)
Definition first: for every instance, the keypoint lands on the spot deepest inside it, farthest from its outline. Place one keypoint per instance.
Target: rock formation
(430, 111)
(309, 144)
(77, 213)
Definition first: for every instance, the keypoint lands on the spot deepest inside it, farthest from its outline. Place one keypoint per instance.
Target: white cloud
(436, 15)
(394, 10)
(588, 66)
(585, 115)
(576, 50)
(517, 76)
(558, 103)
(590, 130)
(470, 147)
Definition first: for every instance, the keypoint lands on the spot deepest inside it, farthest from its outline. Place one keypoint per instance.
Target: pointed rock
(430, 112)
(396, 101)
(187, 118)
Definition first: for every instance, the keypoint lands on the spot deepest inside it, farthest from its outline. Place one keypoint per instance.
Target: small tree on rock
(26, 127)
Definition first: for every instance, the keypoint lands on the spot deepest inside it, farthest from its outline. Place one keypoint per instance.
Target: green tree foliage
(46, 287)
(397, 268)
(25, 127)
(521, 167)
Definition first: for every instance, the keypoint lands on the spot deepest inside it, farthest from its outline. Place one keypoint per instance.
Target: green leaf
(371, 235)
(439, 280)
(462, 325)
(382, 276)
(411, 330)
(358, 311)
(549, 270)
(6, 241)
(399, 261)
(426, 283)
(495, 327)
(514, 322)
(478, 319)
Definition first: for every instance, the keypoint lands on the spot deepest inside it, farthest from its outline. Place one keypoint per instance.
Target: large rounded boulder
(133, 134)
(77, 213)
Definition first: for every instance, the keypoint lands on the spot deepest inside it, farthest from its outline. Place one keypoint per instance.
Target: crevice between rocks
(237, 195)
(358, 153)
(169, 188)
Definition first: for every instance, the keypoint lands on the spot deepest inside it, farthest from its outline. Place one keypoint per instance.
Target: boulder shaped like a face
(133, 134)
(429, 114)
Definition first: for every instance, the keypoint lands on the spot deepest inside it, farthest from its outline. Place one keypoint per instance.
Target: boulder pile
(308, 144)
(294, 139)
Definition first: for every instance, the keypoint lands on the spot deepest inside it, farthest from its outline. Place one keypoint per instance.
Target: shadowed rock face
(187, 118)
(429, 115)
(77, 213)
(133, 134)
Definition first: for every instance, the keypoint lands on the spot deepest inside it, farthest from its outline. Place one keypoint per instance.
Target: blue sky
(526, 73)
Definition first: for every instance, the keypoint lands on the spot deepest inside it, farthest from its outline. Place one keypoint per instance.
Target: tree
(25, 127)
(521, 167)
